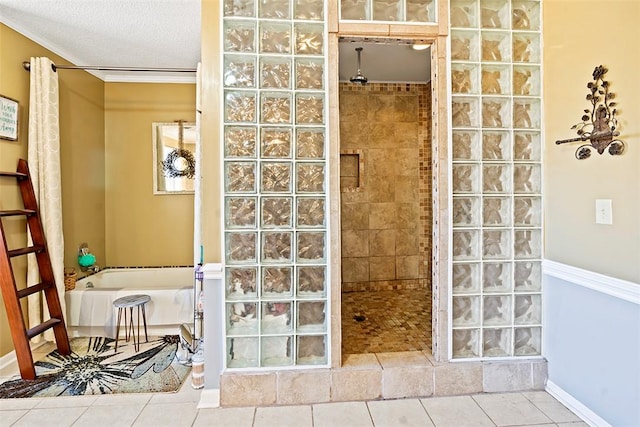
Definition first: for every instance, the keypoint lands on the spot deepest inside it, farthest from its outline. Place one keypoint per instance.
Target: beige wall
(81, 127)
(384, 132)
(578, 36)
(143, 229)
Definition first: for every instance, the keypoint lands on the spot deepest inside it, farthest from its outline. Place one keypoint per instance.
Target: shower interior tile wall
(276, 212)
(386, 221)
(496, 172)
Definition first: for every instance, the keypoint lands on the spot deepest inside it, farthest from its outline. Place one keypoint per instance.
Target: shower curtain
(44, 166)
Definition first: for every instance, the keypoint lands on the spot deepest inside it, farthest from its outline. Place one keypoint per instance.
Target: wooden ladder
(10, 293)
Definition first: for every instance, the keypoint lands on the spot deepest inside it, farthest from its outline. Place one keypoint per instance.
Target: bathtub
(90, 310)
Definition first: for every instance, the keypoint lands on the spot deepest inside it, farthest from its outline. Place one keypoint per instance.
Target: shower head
(359, 78)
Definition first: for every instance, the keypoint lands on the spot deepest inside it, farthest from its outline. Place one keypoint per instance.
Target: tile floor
(398, 320)
(536, 408)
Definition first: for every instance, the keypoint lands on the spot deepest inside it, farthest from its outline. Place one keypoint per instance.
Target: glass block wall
(496, 178)
(275, 169)
(419, 11)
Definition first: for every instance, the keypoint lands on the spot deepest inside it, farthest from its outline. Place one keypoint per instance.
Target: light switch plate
(604, 214)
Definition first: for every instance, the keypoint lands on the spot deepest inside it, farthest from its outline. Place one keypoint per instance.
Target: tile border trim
(575, 405)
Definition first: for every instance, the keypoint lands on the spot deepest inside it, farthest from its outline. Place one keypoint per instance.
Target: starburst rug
(95, 367)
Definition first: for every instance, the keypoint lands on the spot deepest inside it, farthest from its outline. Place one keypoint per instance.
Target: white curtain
(44, 166)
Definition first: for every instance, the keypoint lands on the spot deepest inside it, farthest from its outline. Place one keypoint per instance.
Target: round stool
(129, 302)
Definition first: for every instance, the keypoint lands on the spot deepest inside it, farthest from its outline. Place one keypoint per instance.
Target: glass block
(310, 212)
(526, 178)
(276, 177)
(240, 107)
(496, 145)
(526, 47)
(309, 39)
(496, 342)
(496, 113)
(239, 71)
(311, 247)
(527, 212)
(274, 9)
(466, 311)
(311, 281)
(496, 310)
(496, 80)
(496, 277)
(466, 178)
(466, 278)
(312, 350)
(466, 245)
(466, 343)
(275, 38)
(276, 351)
(496, 244)
(527, 276)
(241, 282)
(312, 316)
(239, 8)
(463, 13)
(527, 244)
(525, 15)
(276, 317)
(239, 141)
(528, 310)
(275, 73)
(464, 79)
(354, 9)
(276, 246)
(309, 73)
(310, 177)
(240, 177)
(526, 113)
(275, 143)
(420, 11)
(276, 212)
(496, 211)
(466, 145)
(495, 14)
(387, 10)
(309, 109)
(527, 341)
(241, 247)
(308, 10)
(239, 36)
(465, 112)
(465, 45)
(495, 46)
(496, 178)
(240, 212)
(276, 282)
(526, 80)
(310, 143)
(242, 352)
(275, 107)
(465, 211)
(242, 318)
(526, 146)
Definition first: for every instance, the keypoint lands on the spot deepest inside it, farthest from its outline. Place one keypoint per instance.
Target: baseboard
(10, 357)
(575, 406)
(209, 398)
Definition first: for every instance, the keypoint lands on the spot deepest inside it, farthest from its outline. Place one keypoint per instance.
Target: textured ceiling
(166, 34)
(122, 33)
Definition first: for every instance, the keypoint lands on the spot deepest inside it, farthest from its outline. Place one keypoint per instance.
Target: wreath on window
(180, 162)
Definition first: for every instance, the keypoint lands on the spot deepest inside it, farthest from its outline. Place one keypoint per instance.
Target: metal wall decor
(599, 124)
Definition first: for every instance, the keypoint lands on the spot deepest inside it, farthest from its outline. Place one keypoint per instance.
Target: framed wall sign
(9, 109)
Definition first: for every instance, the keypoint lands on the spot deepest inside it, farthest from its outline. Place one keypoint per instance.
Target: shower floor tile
(386, 321)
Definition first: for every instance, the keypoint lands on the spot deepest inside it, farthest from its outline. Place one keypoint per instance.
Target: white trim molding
(575, 406)
(623, 289)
